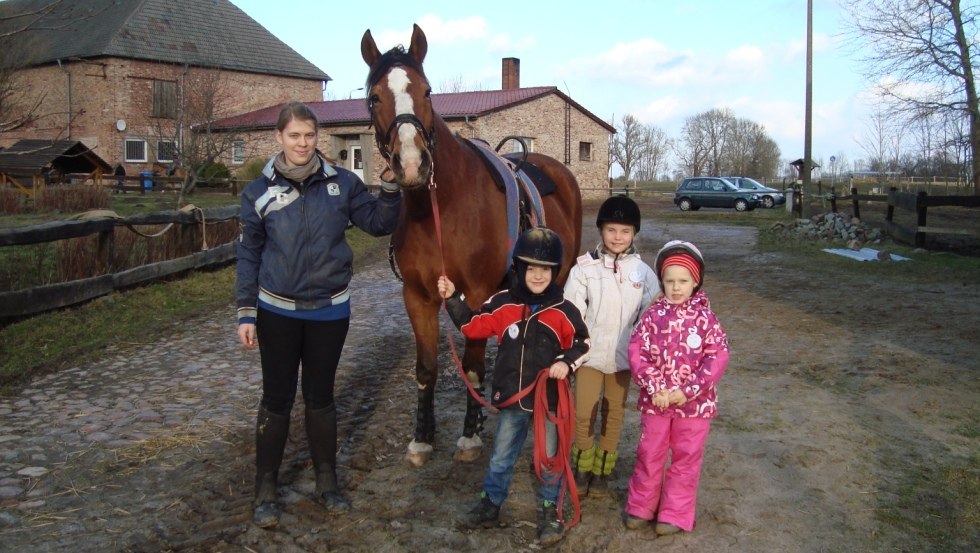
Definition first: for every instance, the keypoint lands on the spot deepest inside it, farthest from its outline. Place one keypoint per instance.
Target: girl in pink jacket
(678, 352)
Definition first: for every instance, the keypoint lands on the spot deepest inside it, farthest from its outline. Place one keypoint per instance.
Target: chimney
(511, 74)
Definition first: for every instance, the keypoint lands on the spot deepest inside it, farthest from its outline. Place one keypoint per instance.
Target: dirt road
(842, 408)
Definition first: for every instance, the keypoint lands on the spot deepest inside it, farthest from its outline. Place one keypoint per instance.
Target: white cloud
(437, 32)
(453, 31)
(661, 112)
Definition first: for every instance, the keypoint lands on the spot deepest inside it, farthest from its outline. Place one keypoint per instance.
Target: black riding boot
(321, 429)
(271, 432)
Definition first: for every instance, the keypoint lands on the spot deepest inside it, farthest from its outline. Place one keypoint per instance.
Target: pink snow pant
(672, 498)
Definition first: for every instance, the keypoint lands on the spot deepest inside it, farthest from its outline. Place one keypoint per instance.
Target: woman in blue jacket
(294, 267)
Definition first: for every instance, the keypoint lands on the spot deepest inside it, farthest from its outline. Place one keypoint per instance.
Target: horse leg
(425, 322)
(469, 446)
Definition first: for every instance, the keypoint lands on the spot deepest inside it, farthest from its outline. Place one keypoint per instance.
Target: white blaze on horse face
(409, 154)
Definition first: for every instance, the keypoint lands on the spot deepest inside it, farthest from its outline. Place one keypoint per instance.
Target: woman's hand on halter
(246, 335)
(446, 287)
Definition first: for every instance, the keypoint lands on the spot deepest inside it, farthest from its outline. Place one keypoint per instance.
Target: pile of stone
(832, 227)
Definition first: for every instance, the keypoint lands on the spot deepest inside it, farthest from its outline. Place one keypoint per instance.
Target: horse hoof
(467, 455)
(418, 453)
(468, 449)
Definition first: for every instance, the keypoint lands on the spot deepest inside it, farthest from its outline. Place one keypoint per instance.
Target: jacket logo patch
(693, 341)
(281, 198)
(333, 189)
(513, 331)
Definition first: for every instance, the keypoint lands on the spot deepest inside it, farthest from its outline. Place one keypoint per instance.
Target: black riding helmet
(676, 247)
(537, 246)
(619, 209)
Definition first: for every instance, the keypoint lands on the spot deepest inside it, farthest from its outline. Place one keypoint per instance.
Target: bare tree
(927, 42)
(719, 143)
(627, 144)
(693, 148)
(20, 107)
(875, 141)
(189, 138)
(457, 84)
(652, 161)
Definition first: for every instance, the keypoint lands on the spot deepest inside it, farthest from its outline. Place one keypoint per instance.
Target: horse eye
(373, 100)
(428, 92)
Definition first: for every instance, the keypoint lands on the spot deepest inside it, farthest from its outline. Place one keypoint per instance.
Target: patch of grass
(935, 501)
(57, 340)
(53, 341)
(969, 429)
(955, 269)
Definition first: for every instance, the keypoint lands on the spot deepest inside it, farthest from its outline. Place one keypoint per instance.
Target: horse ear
(419, 45)
(369, 50)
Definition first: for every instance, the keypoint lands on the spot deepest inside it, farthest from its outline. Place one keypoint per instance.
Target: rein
(564, 418)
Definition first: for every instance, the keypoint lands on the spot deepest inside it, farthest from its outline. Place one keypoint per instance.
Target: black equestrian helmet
(619, 209)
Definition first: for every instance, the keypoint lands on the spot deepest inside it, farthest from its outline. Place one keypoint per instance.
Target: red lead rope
(564, 417)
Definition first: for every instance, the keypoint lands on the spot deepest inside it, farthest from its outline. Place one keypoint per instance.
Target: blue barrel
(146, 177)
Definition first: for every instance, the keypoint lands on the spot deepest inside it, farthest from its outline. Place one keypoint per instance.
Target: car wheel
(684, 204)
(768, 202)
(741, 205)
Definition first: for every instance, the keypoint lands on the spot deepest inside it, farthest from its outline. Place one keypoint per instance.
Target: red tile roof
(450, 106)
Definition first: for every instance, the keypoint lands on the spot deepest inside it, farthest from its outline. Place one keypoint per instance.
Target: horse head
(401, 108)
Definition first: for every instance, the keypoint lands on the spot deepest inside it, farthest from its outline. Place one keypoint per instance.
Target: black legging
(284, 342)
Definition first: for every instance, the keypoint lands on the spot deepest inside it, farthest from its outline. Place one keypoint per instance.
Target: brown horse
(422, 152)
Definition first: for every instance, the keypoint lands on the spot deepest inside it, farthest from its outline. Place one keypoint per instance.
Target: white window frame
(238, 152)
(173, 150)
(134, 141)
(516, 146)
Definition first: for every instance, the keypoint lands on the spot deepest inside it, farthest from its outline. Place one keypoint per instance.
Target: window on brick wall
(135, 150)
(166, 150)
(165, 99)
(585, 151)
(238, 152)
(516, 146)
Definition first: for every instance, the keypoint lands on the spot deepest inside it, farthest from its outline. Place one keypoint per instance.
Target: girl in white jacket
(611, 285)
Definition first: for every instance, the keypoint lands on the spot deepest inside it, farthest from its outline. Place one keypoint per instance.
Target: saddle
(523, 184)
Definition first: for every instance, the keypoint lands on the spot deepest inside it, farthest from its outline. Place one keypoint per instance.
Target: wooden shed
(29, 163)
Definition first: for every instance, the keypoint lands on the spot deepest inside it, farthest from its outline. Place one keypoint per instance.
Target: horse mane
(396, 56)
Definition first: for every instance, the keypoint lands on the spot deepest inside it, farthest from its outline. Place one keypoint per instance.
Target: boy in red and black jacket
(536, 328)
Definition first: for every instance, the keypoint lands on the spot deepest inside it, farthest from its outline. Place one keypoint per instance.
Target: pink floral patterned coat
(679, 347)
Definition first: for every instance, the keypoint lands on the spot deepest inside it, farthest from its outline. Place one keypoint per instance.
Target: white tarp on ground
(864, 254)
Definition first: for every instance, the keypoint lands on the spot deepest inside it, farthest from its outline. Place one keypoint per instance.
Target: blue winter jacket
(292, 247)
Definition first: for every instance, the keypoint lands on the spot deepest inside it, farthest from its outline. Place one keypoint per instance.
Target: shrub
(216, 170)
(252, 169)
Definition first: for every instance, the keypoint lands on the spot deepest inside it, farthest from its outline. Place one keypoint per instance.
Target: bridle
(383, 139)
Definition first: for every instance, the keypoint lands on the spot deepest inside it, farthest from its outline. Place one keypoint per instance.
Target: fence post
(890, 211)
(103, 261)
(234, 186)
(833, 199)
(921, 203)
(854, 202)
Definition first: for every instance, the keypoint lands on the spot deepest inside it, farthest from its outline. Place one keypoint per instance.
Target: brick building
(123, 77)
(549, 121)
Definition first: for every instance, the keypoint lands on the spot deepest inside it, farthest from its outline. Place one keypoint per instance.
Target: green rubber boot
(582, 462)
(602, 467)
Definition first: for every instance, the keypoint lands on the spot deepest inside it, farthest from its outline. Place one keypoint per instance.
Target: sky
(661, 61)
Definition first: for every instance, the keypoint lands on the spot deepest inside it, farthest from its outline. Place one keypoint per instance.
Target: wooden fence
(917, 203)
(29, 184)
(38, 299)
